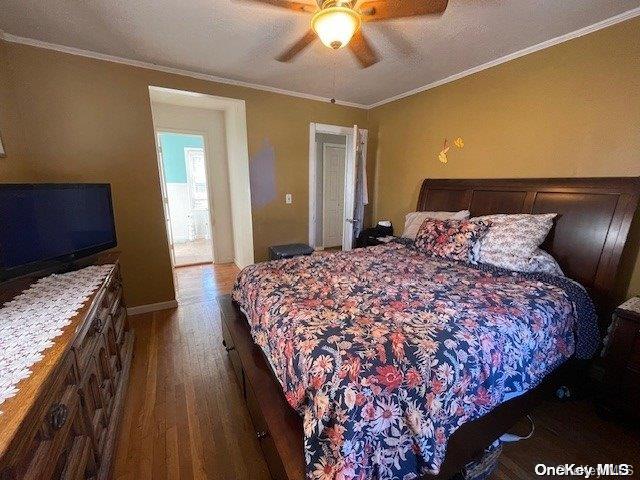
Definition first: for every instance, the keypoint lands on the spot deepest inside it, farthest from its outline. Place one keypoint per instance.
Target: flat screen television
(42, 225)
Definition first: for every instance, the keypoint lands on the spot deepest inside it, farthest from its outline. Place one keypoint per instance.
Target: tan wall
(87, 120)
(571, 110)
(12, 168)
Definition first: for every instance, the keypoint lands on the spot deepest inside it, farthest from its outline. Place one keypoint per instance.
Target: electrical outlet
(287, 199)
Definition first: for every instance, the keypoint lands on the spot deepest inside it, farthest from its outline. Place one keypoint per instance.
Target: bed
(400, 365)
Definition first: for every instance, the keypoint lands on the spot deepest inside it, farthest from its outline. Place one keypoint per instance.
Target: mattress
(385, 352)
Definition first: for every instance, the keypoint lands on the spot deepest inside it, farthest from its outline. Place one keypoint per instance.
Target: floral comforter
(386, 352)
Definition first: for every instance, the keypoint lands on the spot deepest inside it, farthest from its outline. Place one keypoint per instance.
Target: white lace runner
(32, 320)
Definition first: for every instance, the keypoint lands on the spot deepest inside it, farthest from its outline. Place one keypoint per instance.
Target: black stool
(278, 252)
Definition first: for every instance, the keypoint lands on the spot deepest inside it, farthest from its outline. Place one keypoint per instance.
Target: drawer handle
(262, 434)
(99, 324)
(58, 416)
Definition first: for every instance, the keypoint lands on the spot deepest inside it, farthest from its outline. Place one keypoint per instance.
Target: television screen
(44, 223)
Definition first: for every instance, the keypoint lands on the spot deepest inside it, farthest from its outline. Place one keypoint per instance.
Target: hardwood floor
(184, 415)
(185, 418)
(203, 283)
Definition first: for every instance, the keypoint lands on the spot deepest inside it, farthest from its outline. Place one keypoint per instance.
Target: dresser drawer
(119, 322)
(81, 462)
(113, 349)
(44, 455)
(264, 437)
(106, 376)
(93, 403)
(233, 356)
(114, 288)
(90, 334)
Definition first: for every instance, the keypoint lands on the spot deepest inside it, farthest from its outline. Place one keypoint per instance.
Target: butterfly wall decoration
(442, 156)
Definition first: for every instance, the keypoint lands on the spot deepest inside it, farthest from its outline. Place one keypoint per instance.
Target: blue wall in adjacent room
(173, 161)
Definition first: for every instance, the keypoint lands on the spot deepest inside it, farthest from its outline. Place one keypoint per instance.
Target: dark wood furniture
(63, 421)
(595, 215)
(621, 355)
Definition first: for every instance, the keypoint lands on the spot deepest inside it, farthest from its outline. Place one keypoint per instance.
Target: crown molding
(520, 53)
(8, 37)
(628, 15)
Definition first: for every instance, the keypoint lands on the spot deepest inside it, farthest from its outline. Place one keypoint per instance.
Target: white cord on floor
(511, 437)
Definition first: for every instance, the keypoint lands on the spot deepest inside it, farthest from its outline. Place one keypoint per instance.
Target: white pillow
(413, 220)
(512, 240)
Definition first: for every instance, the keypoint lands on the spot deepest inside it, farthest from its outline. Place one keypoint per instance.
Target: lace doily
(32, 320)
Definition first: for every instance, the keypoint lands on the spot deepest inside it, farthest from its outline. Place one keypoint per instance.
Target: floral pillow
(512, 240)
(451, 239)
(414, 220)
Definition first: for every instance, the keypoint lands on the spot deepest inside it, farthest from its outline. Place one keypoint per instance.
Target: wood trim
(152, 307)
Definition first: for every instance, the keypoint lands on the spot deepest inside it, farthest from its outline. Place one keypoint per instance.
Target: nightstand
(621, 358)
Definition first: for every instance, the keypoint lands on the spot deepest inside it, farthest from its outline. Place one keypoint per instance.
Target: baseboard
(152, 307)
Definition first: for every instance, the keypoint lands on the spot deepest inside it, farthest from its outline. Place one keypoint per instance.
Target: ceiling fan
(338, 22)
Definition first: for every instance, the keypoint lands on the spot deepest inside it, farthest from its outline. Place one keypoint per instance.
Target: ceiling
(238, 40)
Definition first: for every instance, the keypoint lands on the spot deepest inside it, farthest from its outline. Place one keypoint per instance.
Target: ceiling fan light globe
(335, 26)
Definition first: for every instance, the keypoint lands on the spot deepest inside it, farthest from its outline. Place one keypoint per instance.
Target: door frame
(324, 179)
(350, 159)
(205, 137)
(237, 153)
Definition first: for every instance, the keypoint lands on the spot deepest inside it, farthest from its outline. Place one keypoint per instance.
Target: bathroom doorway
(183, 165)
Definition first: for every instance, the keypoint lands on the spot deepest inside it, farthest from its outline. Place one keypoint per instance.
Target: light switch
(287, 198)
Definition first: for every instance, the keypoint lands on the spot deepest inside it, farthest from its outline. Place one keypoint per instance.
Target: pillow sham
(414, 220)
(512, 239)
(451, 239)
(539, 262)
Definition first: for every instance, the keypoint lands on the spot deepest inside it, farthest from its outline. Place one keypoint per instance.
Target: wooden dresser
(621, 355)
(63, 422)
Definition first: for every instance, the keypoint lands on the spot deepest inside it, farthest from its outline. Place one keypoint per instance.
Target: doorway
(182, 161)
(333, 154)
(221, 125)
(331, 171)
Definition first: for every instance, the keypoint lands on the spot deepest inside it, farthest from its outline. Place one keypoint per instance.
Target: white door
(165, 201)
(333, 174)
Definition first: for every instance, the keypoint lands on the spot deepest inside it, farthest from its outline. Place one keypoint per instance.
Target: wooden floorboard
(184, 415)
(185, 418)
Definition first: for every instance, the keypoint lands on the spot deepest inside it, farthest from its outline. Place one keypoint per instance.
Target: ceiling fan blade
(295, 6)
(375, 10)
(297, 47)
(363, 51)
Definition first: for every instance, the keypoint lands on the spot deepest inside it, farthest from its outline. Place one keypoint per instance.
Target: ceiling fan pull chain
(333, 87)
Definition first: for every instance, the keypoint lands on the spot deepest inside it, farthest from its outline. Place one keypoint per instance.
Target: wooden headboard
(594, 216)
